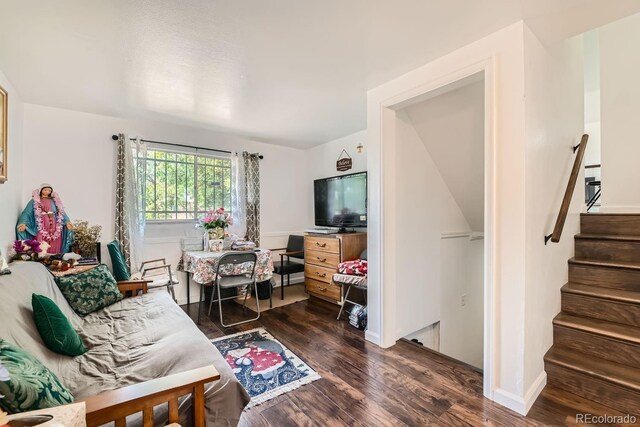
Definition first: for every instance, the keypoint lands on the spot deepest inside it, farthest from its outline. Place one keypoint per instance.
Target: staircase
(596, 337)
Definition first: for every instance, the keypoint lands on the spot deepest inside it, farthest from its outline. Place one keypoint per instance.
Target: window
(179, 186)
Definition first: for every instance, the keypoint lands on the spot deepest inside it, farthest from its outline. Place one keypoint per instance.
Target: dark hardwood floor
(364, 385)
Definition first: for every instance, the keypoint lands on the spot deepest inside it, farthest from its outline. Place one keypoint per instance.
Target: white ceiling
(291, 72)
(451, 126)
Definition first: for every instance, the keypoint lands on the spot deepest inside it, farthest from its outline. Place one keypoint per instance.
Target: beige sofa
(132, 341)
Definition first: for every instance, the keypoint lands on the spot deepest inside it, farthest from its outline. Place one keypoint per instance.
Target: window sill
(171, 221)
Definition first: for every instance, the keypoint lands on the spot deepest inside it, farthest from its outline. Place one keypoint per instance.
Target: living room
(304, 89)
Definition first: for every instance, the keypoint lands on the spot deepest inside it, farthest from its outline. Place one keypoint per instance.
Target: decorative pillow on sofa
(120, 269)
(357, 267)
(54, 327)
(90, 291)
(26, 383)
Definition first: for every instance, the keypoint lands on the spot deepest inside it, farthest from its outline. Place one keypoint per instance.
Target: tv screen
(341, 201)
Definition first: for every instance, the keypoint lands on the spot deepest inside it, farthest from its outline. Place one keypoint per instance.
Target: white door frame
(383, 294)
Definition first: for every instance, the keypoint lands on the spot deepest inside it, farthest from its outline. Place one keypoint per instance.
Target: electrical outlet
(463, 300)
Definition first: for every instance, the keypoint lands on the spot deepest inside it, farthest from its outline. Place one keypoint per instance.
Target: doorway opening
(439, 139)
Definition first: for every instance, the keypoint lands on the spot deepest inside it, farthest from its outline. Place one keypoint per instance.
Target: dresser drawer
(322, 274)
(324, 244)
(323, 290)
(325, 259)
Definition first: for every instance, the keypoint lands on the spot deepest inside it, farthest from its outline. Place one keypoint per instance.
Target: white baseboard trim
(517, 403)
(372, 337)
(294, 281)
(619, 209)
(196, 289)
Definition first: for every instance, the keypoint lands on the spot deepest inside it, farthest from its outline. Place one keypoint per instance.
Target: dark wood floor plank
(286, 414)
(324, 359)
(365, 385)
(360, 406)
(320, 408)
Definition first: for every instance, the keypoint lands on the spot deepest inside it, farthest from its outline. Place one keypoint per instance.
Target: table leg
(188, 290)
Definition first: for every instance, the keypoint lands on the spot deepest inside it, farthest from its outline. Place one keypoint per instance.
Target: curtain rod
(115, 138)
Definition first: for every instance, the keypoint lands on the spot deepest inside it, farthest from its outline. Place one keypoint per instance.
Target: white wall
(554, 121)
(322, 158)
(461, 326)
(74, 152)
(451, 125)
(439, 187)
(427, 209)
(620, 106)
(591, 42)
(11, 190)
(503, 54)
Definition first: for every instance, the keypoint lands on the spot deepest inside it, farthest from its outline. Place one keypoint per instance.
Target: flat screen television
(341, 201)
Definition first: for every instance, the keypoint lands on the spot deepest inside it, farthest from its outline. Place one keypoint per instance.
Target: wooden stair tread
(611, 264)
(630, 334)
(622, 375)
(619, 295)
(618, 237)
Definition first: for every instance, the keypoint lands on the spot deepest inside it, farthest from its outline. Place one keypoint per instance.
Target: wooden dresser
(322, 254)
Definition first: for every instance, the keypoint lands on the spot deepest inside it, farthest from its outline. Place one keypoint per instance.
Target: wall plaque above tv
(341, 201)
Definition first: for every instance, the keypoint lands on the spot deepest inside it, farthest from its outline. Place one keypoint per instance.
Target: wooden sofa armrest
(116, 405)
(133, 287)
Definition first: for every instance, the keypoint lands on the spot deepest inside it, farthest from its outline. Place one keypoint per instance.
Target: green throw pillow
(26, 384)
(54, 327)
(89, 291)
(120, 269)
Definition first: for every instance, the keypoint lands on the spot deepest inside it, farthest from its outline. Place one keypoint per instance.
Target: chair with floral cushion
(352, 274)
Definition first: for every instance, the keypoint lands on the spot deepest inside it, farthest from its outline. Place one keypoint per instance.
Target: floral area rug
(263, 365)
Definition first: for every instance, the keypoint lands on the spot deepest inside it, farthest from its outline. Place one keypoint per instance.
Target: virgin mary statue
(45, 220)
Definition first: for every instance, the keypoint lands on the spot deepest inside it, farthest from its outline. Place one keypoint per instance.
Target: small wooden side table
(72, 415)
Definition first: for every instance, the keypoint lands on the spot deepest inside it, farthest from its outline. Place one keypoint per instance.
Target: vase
(216, 233)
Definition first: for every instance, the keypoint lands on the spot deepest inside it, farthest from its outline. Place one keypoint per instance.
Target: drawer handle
(322, 289)
(322, 245)
(321, 274)
(321, 259)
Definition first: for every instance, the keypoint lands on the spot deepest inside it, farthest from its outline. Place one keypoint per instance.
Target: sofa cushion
(131, 341)
(90, 291)
(26, 383)
(54, 327)
(120, 269)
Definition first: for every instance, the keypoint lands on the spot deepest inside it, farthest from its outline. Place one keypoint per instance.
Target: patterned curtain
(129, 223)
(252, 182)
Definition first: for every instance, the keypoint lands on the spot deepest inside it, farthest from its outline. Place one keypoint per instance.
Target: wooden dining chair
(294, 249)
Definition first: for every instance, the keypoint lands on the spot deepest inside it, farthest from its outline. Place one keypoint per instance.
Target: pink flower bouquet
(216, 219)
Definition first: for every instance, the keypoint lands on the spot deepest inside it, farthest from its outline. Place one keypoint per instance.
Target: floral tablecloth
(203, 265)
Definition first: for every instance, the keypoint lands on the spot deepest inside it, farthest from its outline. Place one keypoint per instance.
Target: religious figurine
(45, 220)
